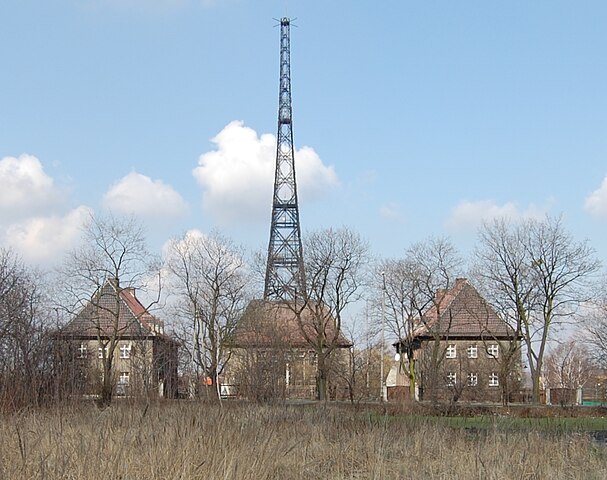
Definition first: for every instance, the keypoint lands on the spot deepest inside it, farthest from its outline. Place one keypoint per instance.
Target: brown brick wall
(461, 375)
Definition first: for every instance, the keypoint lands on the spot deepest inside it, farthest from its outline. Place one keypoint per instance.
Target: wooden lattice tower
(285, 278)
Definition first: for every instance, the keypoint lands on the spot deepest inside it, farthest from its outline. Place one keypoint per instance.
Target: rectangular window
(100, 350)
(451, 379)
(493, 350)
(494, 380)
(123, 383)
(125, 350)
(82, 350)
(472, 379)
(472, 351)
(451, 351)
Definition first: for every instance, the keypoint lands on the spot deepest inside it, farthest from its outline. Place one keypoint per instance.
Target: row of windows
(125, 351)
(493, 351)
(472, 379)
(123, 379)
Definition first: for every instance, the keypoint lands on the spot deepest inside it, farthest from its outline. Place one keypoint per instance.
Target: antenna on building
(285, 278)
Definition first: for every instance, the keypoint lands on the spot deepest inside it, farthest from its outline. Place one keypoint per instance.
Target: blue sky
(410, 119)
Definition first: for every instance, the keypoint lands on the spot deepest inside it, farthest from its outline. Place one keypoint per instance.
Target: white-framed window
(451, 351)
(123, 383)
(472, 379)
(82, 350)
(472, 351)
(494, 380)
(451, 379)
(493, 350)
(125, 350)
(100, 352)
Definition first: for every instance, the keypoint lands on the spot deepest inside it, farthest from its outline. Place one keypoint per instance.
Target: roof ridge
(460, 308)
(454, 293)
(138, 317)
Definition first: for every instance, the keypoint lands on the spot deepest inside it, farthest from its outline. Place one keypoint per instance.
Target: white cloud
(237, 177)
(25, 188)
(390, 211)
(596, 202)
(469, 215)
(182, 244)
(43, 239)
(140, 195)
(314, 178)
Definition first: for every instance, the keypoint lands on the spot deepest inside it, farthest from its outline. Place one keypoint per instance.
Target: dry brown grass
(184, 440)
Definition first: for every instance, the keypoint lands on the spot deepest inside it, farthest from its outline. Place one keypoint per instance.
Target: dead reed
(184, 440)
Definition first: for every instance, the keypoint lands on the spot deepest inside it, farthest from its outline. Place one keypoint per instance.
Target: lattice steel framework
(285, 278)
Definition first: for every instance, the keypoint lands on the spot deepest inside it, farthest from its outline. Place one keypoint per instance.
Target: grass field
(184, 440)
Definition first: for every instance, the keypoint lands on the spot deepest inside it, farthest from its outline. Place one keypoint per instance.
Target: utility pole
(383, 324)
(285, 278)
(368, 346)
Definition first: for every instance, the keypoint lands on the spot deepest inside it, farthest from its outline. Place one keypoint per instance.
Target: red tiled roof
(140, 312)
(462, 312)
(98, 317)
(274, 324)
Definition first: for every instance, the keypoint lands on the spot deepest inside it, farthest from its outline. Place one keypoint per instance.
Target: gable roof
(98, 317)
(462, 312)
(273, 324)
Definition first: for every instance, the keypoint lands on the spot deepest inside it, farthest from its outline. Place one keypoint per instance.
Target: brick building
(271, 355)
(463, 350)
(144, 360)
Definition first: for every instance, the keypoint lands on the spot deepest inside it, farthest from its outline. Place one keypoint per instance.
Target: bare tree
(411, 287)
(113, 258)
(593, 333)
(359, 369)
(536, 275)
(335, 264)
(25, 359)
(568, 366)
(210, 277)
(402, 303)
(502, 269)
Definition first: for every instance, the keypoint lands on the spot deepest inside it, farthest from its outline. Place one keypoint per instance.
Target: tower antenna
(285, 277)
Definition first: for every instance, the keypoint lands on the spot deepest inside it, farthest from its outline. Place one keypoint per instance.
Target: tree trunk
(105, 397)
(412, 378)
(321, 379)
(535, 378)
(535, 371)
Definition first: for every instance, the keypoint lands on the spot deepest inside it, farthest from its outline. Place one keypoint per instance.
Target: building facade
(114, 329)
(463, 350)
(272, 354)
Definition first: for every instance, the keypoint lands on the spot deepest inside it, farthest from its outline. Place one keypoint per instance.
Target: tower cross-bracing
(285, 279)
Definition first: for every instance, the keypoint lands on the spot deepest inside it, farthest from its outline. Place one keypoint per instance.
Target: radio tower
(285, 278)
